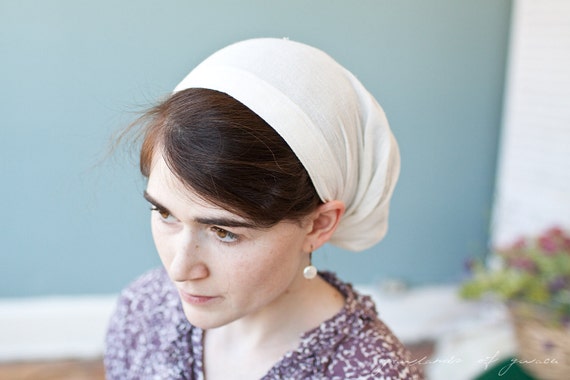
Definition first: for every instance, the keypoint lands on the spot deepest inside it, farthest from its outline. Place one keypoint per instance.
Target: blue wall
(74, 72)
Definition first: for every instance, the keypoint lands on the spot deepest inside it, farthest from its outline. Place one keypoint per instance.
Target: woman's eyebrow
(218, 221)
(154, 202)
(225, 222)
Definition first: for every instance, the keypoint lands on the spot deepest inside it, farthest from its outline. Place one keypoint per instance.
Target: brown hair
(228, 155)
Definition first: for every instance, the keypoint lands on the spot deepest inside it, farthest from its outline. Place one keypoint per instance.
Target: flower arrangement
(534, 271)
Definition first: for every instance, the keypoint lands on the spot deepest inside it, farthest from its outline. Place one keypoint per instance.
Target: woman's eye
(165, 215)
(224, 235)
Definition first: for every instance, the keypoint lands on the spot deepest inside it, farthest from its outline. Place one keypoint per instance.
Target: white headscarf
(331, 122)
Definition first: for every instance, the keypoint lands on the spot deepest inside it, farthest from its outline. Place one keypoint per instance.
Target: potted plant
(533, 277)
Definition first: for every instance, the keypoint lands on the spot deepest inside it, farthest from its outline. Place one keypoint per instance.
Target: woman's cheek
(161, 242)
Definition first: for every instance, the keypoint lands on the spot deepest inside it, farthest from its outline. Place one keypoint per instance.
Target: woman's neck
(262, 339)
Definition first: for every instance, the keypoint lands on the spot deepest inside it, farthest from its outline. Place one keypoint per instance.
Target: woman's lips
(193, 299)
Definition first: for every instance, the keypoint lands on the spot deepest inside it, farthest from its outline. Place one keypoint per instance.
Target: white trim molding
(54, 327)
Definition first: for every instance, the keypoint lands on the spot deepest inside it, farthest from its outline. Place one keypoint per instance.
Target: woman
(264, 152)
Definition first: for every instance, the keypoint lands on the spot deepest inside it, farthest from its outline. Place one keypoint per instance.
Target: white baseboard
(49, 328)
(74, 327)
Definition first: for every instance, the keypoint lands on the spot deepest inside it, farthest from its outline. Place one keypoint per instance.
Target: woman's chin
(204, 320)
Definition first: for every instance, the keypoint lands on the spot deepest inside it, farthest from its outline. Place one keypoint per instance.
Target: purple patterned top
(149, 337)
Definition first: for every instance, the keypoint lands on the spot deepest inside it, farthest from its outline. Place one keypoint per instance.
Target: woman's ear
(323, 223)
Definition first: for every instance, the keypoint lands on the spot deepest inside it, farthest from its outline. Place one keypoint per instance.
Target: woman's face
(224, 268)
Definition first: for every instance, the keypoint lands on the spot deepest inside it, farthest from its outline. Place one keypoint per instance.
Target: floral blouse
(149, 337)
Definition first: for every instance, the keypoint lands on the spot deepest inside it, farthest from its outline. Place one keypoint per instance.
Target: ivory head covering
(331, 122)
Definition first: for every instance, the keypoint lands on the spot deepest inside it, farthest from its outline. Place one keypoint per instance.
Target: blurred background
(75, 228)
(76, 72)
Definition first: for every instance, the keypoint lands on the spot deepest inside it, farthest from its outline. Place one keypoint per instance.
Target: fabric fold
(332, 123)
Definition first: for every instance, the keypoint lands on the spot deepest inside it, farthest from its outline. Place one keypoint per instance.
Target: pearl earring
(310, 272)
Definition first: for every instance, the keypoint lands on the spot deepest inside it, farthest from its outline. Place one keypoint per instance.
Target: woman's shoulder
(372, 351)
(153, 285)
(149, 299)
(148, 333)
(361, 344)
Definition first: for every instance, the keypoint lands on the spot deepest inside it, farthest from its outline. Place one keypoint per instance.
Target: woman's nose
(187, 263)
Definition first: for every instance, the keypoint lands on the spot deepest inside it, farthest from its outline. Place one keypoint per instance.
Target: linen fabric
(331, 122)
(149, 337)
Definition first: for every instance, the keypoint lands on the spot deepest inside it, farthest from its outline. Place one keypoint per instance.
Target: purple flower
(554, 231)
(522, 263)
(554, 240)
(558, 284)
(548, 244)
